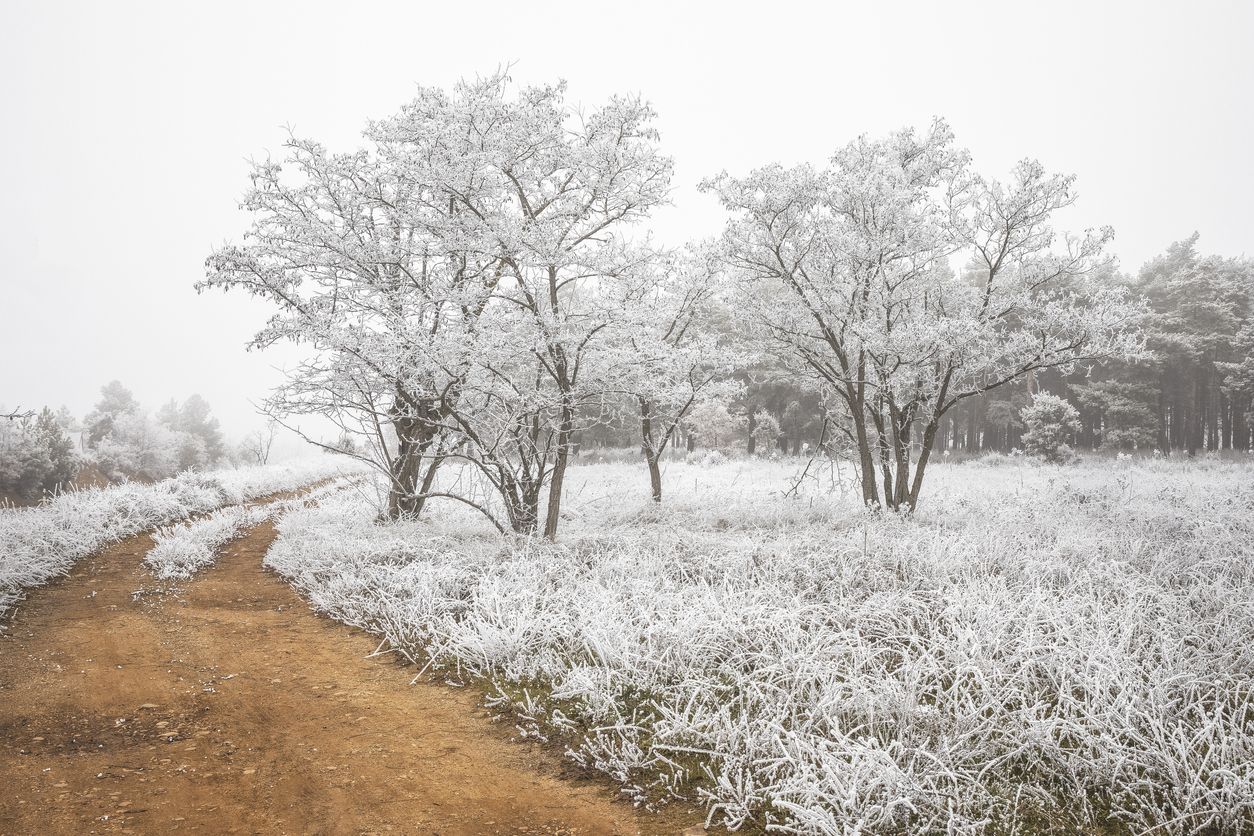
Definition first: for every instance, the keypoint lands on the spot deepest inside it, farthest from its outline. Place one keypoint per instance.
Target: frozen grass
(183, 549)
(1039, 649)
(40, 543)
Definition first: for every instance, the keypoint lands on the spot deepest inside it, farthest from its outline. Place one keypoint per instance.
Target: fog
(128, 128)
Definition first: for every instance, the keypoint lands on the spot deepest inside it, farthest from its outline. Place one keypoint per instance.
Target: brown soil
(227, 706)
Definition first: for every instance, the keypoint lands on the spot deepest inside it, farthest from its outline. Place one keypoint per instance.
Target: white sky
(126, 129)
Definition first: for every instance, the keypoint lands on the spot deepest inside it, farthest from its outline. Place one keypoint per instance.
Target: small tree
(200, 441)
(1050, 422)
(673, 358)
(36, 456)
(115, 400)
(51, 437)
(713, 423)
(765, 433)
(346, 444)
(255, 448)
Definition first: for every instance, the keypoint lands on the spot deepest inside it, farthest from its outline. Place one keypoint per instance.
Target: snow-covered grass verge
(39, 543)
(1039, 649)
(183, 549)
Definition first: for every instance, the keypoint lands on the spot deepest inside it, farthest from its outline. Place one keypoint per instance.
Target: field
(1038, 649)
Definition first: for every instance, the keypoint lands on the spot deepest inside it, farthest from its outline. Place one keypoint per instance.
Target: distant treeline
(42, 453)
(1196, 394)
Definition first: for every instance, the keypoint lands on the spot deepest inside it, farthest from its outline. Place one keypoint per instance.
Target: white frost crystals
(182, 550)
(39, 543)
(1036, 645)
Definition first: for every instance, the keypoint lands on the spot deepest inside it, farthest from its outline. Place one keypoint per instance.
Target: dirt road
(229, 707)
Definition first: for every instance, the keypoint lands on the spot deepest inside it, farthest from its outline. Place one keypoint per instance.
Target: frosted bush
(1050, 422)
(1038, 649)
(713, 458)
(706, 458)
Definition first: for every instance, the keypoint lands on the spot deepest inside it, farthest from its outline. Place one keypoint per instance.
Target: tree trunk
(1225, 422)
(406, 496)
(655, 476)
(855, 397)
(1163, 443)
(1195, 427)
(1240, 432)
(649, 447)
(925, 453)
(524, 512)
(553, 515)
(901, 454)
(1212, 416)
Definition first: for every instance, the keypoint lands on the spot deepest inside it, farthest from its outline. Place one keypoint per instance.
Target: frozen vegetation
(39, 543)
(183, 549)
(1037, 649)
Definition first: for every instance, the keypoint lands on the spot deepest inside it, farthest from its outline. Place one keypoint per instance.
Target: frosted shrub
(706, 458)
(1050, 421)
(1033, 650)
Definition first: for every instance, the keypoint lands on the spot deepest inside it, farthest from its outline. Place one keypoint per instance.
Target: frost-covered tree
(673, 358)
(195, 419)
(115, 400)
(571, 188)
(367, 261)
(766, 432)
(138, 447)
(36, 456)
(68, 421)
(255, 448)
(713, 421)
(457, 281)
(1051, 422)
(846, 271)
(203, 442)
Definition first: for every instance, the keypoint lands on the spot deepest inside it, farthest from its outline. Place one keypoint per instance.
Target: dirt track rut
(229, 707)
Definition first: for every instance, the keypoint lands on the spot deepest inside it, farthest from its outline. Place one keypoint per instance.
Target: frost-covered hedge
(39, 543)
(1039, 649)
